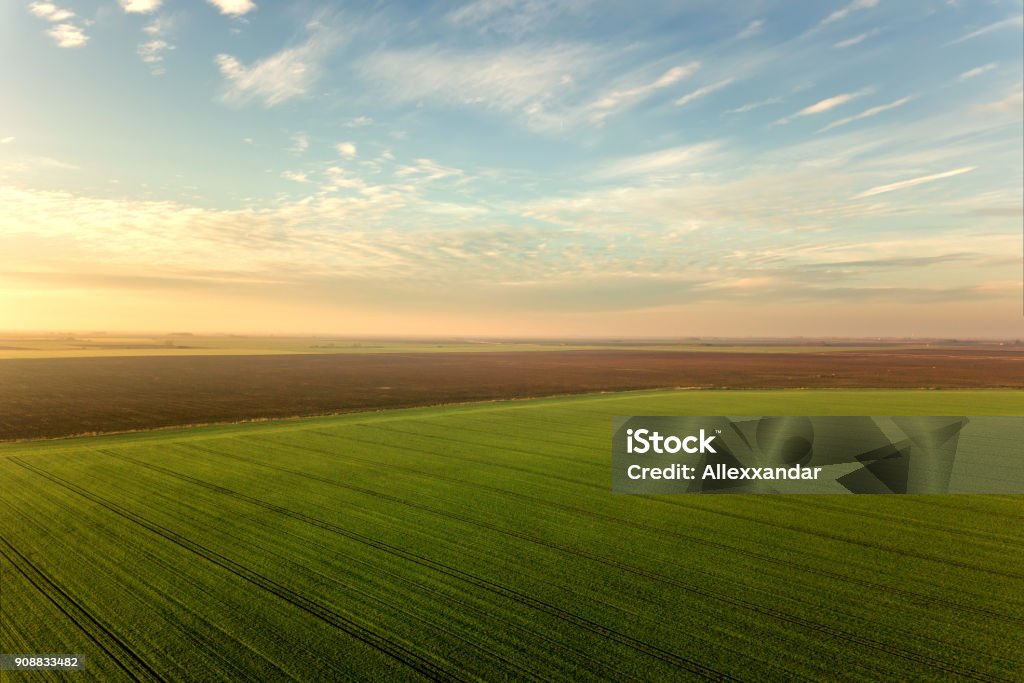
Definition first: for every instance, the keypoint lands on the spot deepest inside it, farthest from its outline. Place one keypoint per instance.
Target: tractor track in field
(809, 624)
(774, 500)
(449, 599)
(206, 644)
(917, 598)
(353, 588)
(396, 651)
(478, 581)
(105, 639)
(675, 502)
(600, 669)
(389, 498)
(618, 565)
(301, 602)
(890, 519)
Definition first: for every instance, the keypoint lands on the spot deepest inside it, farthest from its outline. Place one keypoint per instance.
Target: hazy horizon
(557, 170)
(57, 335)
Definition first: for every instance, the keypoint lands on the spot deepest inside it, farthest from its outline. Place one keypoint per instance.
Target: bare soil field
(54, 397)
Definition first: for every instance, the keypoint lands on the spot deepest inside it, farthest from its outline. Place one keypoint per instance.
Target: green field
(482, 542)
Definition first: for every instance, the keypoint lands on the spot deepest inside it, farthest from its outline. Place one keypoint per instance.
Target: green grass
(482, 541)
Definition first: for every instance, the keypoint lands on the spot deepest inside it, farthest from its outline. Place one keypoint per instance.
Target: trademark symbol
(718, 431)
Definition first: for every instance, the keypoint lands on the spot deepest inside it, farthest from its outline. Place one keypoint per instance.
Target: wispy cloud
(751, 30)
(300, 143)
(234, 8)
(662, 161)
(619, 99)
(1012, 22)
(428, 170)
(36, 163)
(830, 103)
(868, 113)
(513, 17)
(1012, 104)
(287, 74)
(913, 182)
(152, 52)
(846, 11)
(827, 104)
(704, 91)
(295, 176)
(159, 26)
(523, 80)
(976, 71)
(359, 122)
(751, 106)
(855, 40)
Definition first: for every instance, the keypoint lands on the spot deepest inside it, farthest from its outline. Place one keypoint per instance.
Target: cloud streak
(855, 40)
(913, 182)
(977, 71)
(619, 99)
(513, 17)
(751, 106)
(840, 14)
(868, 113)
(752, 29)
(666, 160)
(1012, 22)
(704, 91)
(825, 105)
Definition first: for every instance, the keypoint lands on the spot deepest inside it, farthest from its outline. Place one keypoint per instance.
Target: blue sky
(513, 168)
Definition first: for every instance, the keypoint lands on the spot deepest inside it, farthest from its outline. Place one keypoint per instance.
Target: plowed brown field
(63, 396)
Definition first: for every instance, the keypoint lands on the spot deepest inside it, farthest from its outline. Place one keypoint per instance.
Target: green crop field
(482, 542)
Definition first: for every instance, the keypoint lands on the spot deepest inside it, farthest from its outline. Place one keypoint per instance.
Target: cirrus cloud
(282, 76)
(913, 182)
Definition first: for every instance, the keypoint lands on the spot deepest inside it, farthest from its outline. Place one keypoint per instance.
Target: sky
(555, 168)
